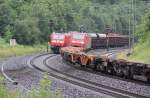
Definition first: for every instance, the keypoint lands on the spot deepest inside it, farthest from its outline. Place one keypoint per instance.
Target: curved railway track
(12, 80)
(82, 82)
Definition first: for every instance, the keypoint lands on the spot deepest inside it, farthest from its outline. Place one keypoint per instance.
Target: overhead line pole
(129, 32)
(133, 22)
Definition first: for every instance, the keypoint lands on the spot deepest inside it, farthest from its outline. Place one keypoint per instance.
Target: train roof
(75, 32)
(96, 35)
(58, 32)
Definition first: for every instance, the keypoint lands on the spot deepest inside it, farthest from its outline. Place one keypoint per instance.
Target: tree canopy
(31, 21)
(143, 29)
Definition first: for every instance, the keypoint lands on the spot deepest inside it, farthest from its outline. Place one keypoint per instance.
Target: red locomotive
(78, 39)
(58, 40)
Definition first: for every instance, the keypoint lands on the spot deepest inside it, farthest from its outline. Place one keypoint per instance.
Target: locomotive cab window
(78, 36)
(58, 37)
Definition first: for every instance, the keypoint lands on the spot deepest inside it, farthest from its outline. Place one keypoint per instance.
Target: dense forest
(31, 21)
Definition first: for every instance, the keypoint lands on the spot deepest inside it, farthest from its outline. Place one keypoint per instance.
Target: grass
(7, 51)
(43, 92)
(141, 53)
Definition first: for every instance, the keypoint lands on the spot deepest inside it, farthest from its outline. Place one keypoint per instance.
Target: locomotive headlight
(53, 41)
(61, 42)
(73, 41)
(81, 42)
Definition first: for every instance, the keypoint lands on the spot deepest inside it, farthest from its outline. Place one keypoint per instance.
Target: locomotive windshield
(78, 36)
(58, 36)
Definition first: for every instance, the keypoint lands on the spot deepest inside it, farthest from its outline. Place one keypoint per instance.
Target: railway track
(84, 83)
(12, 81)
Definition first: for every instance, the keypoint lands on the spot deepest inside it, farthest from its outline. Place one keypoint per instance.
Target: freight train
(87, 40)
(74, 45)
(107, 63)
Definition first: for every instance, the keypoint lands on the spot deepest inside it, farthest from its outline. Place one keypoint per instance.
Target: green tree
(143, 29)
(26, 31)
(7, 34)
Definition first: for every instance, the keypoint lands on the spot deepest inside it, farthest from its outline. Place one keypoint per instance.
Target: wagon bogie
(120, 68)
(109, 68)
(101, 67)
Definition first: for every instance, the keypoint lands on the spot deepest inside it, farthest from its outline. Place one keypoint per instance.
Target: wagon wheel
(79, 62)
(131, 73)
(148, 80)
(148, 76)
(94, 67)
(126, 73)
(65, 56)
(110, 71)
(101, 67)
(69, 58)
(118, 70)
(82, 66)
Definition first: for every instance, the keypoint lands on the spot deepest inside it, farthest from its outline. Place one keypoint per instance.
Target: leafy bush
(141, 53)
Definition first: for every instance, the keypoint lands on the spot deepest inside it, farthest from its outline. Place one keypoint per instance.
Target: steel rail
(84, 83)
(11, 80)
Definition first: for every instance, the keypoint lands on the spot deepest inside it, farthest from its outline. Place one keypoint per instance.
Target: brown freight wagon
(110, 40)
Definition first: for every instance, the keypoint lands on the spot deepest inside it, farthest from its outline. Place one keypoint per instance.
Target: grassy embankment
(7, 51)
(141, 53)
(43, 92)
